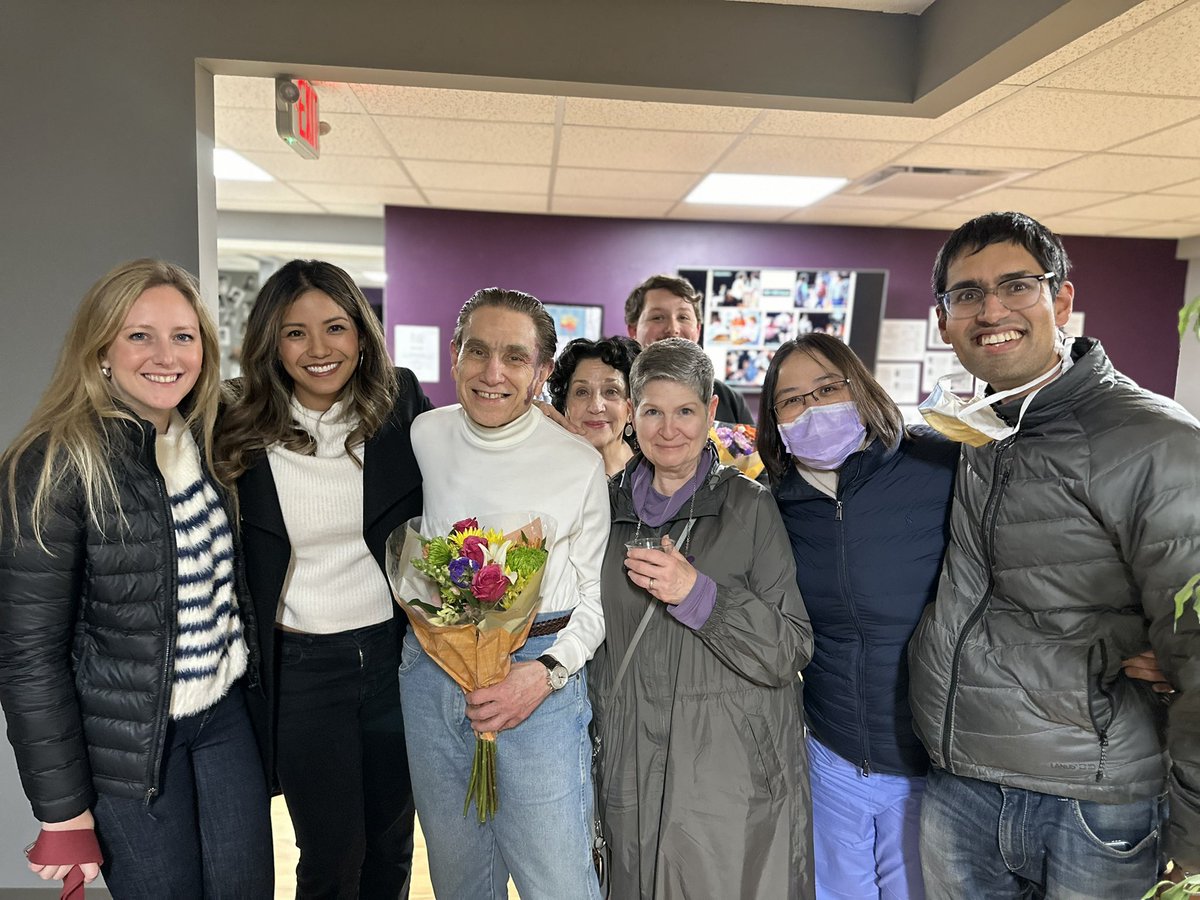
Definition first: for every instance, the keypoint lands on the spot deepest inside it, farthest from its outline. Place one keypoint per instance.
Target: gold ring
(651, 584)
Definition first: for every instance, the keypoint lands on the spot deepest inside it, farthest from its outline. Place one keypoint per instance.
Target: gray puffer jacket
(704, 788)
(1069, 541)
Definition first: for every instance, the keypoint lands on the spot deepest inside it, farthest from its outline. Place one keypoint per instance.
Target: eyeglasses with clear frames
(834, 392)
(1015, 293)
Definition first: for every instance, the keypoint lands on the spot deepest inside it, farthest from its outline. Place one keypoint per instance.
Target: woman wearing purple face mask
(865, 502)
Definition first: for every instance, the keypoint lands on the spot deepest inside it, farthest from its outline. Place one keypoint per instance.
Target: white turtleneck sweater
(529, 465)
(333, 583)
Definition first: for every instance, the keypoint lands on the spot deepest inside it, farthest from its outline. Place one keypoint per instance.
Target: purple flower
(462, 571)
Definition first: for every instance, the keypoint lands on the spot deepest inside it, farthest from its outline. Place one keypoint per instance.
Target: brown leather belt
(549, 626)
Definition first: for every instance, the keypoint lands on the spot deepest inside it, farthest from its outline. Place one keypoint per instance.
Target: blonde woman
(123, 638)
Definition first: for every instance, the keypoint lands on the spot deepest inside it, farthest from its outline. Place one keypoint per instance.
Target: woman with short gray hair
(703, 783)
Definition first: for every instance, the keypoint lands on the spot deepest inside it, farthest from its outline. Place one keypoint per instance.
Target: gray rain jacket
(704, 788)
(1069, 541)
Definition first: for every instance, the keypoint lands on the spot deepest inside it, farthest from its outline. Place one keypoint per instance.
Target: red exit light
(297, 116)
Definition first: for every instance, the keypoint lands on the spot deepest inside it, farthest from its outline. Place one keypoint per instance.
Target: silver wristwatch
(556, 672)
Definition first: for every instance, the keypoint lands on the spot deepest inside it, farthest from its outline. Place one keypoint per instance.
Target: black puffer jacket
(87, 632)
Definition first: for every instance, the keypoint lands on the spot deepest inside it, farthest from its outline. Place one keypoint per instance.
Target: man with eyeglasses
(1076, 519)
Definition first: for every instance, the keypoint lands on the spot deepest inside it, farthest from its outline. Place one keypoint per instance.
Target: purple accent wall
(1130, 289)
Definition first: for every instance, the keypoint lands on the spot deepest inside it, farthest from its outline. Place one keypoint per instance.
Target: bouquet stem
(482, 787)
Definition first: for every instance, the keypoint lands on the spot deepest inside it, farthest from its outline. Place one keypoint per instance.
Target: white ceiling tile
(942, 221)
(959, 156)
(606, 206)
(844, 125)
(443, 103)
(380, 194)
(244, 129)
(1068, 120)
(824, 215)
(1099, 37)
(1182, 140)
(655, 116)
(866, 201)
(451, 139)
(362, 210)
(269, 191)
(269, 206)
(1157, 207)
(911, 7)
(1190, 188)
(1158, 59)
(771, 155)
(480, 176)
(1033, 203)
(1089, 226)
(729, 213)
(620, 183)
(352, 135)
(978, 103)
(487, 201)
(1131, 174)
(250, 93)
(659, 151)
(289, 166)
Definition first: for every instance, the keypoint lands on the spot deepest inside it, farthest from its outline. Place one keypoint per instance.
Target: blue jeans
(540, 834)
(988, 842)
(342, 763)
(866, 830)
(207, 833)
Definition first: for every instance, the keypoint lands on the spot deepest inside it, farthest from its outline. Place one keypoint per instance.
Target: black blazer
(391, 496)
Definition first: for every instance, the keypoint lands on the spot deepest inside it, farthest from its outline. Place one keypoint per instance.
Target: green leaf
(1190, 311)
(425, 607)
(1191, 591)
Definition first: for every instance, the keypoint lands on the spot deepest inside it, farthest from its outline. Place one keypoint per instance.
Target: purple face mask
(823, 436)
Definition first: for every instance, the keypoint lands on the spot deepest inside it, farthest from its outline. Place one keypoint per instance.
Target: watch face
(558, 677)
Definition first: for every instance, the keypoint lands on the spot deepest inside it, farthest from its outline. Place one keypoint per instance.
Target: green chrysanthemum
(437, 552)
(525, 560)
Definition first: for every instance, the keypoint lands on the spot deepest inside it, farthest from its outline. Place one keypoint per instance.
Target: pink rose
(473, 548)
(490, 584)
(464, 525)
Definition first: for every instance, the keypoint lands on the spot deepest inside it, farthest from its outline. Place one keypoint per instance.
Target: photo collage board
(749, 313)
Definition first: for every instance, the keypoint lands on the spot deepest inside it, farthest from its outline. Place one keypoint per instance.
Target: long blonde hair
(74, 416)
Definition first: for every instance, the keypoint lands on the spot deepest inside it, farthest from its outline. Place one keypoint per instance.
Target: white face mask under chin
(973, 421)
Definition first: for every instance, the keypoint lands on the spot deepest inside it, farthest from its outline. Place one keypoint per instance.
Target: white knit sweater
(210, 650)
(333, 582)
(532, 465)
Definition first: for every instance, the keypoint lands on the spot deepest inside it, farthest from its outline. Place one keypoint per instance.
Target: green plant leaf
(1190, 311)
(1191, 591)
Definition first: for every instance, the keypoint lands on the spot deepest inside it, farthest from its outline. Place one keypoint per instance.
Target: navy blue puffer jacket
(867, 564)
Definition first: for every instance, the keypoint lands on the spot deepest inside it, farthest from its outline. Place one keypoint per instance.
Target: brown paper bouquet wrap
(470, 637)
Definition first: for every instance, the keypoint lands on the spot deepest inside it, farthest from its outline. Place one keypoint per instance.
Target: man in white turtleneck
(496, 453)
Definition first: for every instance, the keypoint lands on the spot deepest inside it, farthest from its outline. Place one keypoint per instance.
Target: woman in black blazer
(318, 443)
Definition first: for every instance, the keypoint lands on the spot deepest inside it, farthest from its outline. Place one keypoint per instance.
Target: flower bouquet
(477, 592)
(736, 447)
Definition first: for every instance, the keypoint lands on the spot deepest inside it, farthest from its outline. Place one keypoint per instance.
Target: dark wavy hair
(261, 413)
(616, 351)
(879, 412)
(1004, 228)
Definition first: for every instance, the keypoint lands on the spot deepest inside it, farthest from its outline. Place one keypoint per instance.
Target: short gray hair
(672, 359)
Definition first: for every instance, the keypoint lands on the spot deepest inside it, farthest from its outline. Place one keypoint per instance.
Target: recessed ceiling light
(229, 165)
(763, 190)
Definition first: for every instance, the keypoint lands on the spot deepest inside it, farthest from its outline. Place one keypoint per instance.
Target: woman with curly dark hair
(590, 387)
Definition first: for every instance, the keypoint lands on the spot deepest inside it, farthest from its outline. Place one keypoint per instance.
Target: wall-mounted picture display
(746, 368)
(576, 321)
